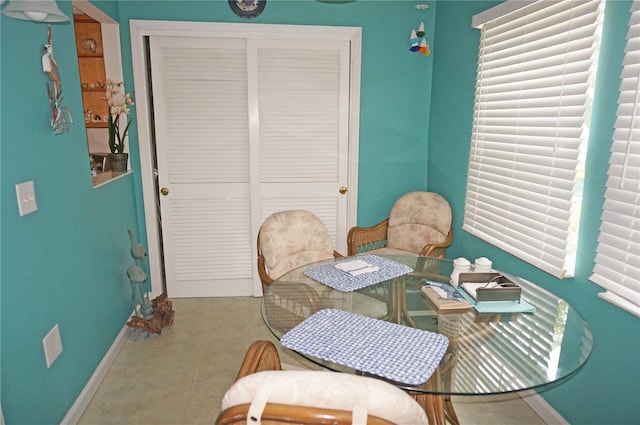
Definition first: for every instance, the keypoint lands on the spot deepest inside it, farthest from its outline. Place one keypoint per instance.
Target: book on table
(444, 296)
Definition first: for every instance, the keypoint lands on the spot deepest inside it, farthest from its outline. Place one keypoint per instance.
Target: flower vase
(118, 161)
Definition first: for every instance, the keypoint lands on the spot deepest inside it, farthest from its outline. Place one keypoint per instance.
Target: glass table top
(488, 353)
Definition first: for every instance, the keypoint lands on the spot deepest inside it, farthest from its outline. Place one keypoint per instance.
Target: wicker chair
(419, 224)
(290, 239)
(255, 388)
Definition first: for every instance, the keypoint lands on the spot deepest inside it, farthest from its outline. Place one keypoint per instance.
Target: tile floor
(180, 376)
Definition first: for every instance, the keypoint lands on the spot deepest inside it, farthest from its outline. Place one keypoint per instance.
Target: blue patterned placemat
(329, 275)
(392, 351)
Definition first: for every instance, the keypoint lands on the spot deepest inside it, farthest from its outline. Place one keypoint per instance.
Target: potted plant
(118, 105)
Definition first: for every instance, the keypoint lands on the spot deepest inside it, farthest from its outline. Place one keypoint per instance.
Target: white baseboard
(539, 405)
(75, 413)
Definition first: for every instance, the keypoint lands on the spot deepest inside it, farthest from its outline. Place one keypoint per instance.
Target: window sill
(108, 176)
(620, 302)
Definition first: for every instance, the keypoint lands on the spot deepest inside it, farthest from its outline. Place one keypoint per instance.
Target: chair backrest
(313, 395)
(290, 239)
(417, 219)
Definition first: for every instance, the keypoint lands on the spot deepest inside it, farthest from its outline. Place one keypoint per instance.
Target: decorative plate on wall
(247, 8)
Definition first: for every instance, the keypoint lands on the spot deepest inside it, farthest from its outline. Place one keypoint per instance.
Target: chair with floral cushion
(419, 224)
(290, 239)
(263, 393)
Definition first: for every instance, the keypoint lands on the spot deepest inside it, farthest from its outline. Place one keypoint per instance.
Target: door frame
(140, 29)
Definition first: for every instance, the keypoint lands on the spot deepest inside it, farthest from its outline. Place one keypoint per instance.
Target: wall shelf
(96, 124)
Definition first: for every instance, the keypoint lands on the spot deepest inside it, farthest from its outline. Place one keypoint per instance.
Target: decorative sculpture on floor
(151, 316)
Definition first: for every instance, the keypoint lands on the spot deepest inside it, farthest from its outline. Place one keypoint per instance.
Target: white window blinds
(617, 267)
(536, 69)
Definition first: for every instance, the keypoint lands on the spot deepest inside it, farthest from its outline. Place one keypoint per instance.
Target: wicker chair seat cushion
(417, 219)
(290, 239)
(330, 390)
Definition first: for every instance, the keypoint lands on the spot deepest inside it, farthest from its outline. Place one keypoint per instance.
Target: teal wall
(395, 83)
(606, 390)
(66, 263)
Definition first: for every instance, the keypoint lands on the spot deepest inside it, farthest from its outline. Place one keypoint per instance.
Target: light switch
(26, 198)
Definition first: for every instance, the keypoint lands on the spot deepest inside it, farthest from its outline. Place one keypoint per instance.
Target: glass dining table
(487, 354)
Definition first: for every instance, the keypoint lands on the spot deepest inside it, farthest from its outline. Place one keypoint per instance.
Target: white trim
(111, 51)
(80, 405)
(509, 6)
(222, 29)
(354, 130)
(543, 409)
(87, 8)
(141, 29)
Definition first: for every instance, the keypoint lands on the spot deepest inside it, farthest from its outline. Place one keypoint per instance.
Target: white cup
(482, 265)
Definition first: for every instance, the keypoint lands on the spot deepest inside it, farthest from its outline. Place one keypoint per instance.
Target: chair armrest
(262, 272)
(438, 250)
(261, 355)
(363, 239)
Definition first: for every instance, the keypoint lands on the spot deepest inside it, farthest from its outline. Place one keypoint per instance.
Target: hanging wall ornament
(417, 41)
(414, 41)
(414, 37)
(424, 48)
(60, 115)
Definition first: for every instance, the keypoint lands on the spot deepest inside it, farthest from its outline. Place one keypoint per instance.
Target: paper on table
(356, 267)
(471, 288)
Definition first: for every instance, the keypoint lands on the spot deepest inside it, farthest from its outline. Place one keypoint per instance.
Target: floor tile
(181, 376)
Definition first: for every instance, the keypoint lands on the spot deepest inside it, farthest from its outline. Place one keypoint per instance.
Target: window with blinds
(617, 267)
(536, 70)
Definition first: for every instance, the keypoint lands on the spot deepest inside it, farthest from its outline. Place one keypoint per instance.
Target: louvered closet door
(245, 128)
(303, 104)
(202, 144)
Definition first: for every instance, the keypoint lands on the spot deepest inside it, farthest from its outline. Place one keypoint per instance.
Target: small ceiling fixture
(35, 10)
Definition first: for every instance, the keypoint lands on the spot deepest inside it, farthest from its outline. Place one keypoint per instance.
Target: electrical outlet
(52, 344)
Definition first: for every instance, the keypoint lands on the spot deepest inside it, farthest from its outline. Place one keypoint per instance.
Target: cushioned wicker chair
(263, 392)
(290, 239)
(419, 224)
